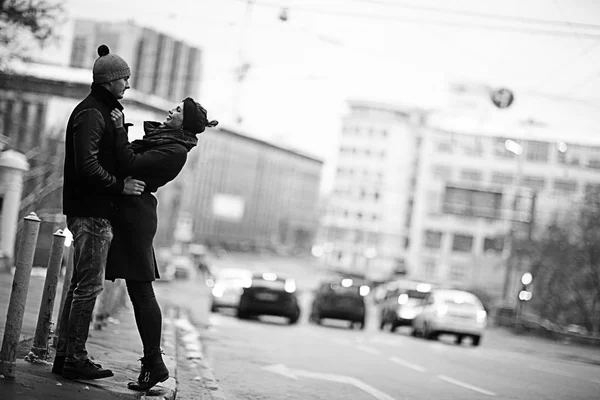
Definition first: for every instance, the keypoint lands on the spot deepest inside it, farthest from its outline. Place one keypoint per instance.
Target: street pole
(242, 66)
(39, 350)
(18, 296)
(65, 290)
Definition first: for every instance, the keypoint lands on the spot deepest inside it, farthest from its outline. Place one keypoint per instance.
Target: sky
(302, 71)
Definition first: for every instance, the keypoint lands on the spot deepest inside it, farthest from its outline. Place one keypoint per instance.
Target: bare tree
(566, 267)
(26, 22)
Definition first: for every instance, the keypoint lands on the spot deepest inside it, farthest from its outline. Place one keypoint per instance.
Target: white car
(227, 287)
(454, 312)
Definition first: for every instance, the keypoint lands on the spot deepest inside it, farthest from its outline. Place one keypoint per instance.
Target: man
(89, 193)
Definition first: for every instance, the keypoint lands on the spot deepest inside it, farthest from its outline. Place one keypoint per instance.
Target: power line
(434, 22)
(505, 18)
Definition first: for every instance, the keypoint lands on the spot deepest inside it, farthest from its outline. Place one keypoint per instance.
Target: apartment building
(472, 190)
(365, 228)
(161, 65)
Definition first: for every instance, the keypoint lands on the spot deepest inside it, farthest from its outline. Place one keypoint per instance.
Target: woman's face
(175, 117)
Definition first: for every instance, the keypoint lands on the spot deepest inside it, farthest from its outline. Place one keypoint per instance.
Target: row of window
(362, 194)
(366, 174)
(360, 216)
(360, 151)
(462, 243)
(536, 183)
(370, 132)
(533, 151)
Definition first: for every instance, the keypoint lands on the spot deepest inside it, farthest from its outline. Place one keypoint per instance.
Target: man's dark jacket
(90, 186)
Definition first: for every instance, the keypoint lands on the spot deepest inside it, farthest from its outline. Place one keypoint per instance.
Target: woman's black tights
(147, 314)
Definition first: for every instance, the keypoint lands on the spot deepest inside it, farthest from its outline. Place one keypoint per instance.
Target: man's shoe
(59, 364)
(85, 369)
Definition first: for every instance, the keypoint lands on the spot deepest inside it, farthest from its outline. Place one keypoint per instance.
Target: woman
(156, 159)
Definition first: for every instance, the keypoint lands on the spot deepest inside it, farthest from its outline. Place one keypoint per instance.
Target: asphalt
(116, 346)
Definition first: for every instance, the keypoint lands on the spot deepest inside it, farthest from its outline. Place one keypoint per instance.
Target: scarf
(158, 134)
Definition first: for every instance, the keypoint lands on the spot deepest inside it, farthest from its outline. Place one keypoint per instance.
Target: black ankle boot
(153, 371)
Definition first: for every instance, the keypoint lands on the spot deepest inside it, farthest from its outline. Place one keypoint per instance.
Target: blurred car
(401, 302)
(227, 287)
(454, 312)
(165, 268)
(269, 294)
(341, 299)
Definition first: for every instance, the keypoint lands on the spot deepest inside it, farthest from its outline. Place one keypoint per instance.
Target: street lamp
(369, 253)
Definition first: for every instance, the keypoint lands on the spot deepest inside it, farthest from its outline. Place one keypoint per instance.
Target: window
(592, 188)
(502, 178)
(433, 239)
(8, 117)
(376, 196)
(493, 244)
(534, 183)
(470, 175)
(429, 269)
(442, 172)
(462, 243)
(457, 272)
(384, 133)
(565, 185)
(470, 202)
(537, 151)
(594, 163)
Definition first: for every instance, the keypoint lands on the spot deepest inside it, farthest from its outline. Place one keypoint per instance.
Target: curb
(195, 359)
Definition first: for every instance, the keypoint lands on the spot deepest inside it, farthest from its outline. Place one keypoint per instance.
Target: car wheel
(458, 339)
(382, 325)
(427, 333)
(476, 340)
(393, 327)
(214, 308)
(361, 325)
(413, 332)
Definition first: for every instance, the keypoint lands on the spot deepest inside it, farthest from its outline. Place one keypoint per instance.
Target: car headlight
(290, 286)
(364, 290)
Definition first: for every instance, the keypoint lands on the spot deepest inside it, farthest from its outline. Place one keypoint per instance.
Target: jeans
(148, 316)
(91, 241)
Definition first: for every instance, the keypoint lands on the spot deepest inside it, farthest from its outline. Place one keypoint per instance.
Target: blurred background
(452, 144)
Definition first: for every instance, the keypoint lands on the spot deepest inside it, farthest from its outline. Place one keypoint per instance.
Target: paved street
(268, 359)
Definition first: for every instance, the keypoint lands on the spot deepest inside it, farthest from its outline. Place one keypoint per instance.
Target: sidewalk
(117, 346)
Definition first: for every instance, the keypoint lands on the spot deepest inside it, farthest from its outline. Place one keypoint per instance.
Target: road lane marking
(368, 349)
(465, 385)
(407, 364)
(297, 373)
(561, 373)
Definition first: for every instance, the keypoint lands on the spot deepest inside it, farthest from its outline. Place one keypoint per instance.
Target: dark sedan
(270, 294)
(340, 299)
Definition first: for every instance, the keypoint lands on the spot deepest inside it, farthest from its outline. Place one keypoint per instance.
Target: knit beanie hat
(109, 67)
(195, 118)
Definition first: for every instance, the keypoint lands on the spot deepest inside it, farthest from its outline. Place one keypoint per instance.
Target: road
(268, 359)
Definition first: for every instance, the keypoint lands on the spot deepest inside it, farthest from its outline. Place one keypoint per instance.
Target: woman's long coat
(157, 159)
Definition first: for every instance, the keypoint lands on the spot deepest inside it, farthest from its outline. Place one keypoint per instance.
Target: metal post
(39, 350)
(18, 296)
(65, 289)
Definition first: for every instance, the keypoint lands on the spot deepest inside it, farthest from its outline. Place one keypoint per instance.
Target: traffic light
(525, 293)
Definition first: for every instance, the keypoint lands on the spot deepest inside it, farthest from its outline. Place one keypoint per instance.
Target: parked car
(183, 265)
(227, 287)
(269, 294)
(454, 312)
(342, 299)
(400, 303)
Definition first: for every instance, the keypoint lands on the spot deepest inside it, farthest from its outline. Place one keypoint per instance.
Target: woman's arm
(152, 162)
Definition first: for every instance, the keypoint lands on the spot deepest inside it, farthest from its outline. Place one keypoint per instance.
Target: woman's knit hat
(109, 67)
(195, 118)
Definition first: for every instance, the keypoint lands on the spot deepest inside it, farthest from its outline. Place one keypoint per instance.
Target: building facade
(240, 192)
(366, 225)
(445, 205)
(161, 65)
(473, 191)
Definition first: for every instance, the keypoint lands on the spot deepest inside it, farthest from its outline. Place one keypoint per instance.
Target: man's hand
(116, 117)
(133, 186)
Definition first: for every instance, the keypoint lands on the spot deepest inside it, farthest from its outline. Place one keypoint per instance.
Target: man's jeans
(91, 241)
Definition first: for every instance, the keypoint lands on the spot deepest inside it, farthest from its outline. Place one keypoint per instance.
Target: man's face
(175, 116)
(118, 87)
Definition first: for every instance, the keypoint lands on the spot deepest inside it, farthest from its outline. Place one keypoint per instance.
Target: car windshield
(415, 294)
(461, 299)
(338, 289)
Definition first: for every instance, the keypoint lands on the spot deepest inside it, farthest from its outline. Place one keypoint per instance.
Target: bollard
(39, 350)
(18, 296)
(65, 290)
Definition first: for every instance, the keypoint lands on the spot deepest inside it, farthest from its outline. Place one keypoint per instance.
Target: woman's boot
(153, 371)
